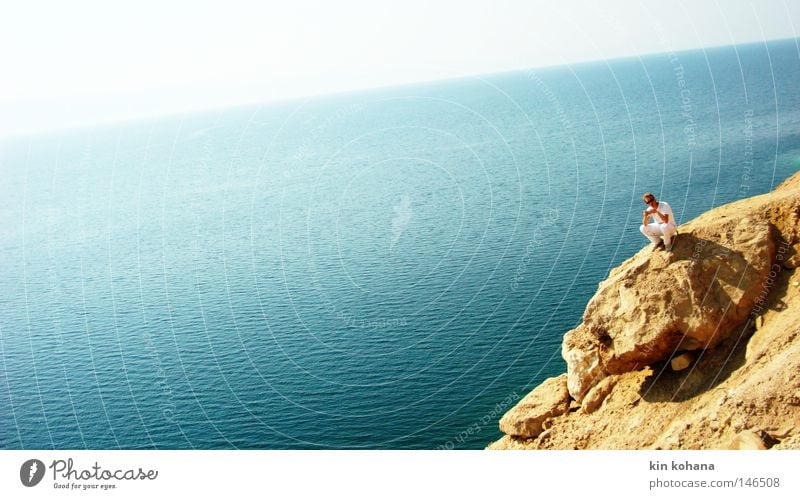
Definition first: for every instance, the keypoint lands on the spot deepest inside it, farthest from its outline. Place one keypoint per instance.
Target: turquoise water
(381, 269)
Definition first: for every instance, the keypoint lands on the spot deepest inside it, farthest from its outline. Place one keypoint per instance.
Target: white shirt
(665, 209)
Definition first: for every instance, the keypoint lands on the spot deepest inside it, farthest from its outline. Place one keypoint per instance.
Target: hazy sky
(78, 62)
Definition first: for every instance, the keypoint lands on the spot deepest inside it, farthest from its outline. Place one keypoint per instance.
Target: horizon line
(307, 97)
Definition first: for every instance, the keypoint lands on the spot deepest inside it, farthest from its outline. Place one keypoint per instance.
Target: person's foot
(658, 247)
(669, 246)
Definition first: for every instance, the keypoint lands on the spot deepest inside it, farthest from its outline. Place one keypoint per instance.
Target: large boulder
(658, 303)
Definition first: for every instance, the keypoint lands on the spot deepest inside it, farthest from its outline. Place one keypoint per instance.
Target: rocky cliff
(698, 348)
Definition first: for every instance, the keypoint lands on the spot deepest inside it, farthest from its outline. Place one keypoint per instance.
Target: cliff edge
(698, 348)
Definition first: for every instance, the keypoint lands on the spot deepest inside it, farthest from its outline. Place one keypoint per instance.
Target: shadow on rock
(709, 369)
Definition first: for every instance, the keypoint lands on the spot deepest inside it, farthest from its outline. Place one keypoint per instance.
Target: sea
(383, 269)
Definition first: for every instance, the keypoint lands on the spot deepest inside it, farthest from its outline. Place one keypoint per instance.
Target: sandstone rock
(791, 443)
(707, 288)
(584, 368)
(681, 362)
(783, 431)
(598, 394)
(526, 419)
(656, 303)
(507, 443)
(751, 440)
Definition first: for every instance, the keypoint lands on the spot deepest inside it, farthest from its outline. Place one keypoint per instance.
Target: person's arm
(644, 217)
(663, 216)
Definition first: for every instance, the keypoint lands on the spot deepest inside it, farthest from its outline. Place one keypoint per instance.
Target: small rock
(751, 440)
(548, 400)
(681, 362)
(598, 394)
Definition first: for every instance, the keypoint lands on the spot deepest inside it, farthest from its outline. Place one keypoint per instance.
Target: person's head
(649, 199)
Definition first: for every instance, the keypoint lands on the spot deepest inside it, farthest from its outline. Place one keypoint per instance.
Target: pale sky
(73, 63)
